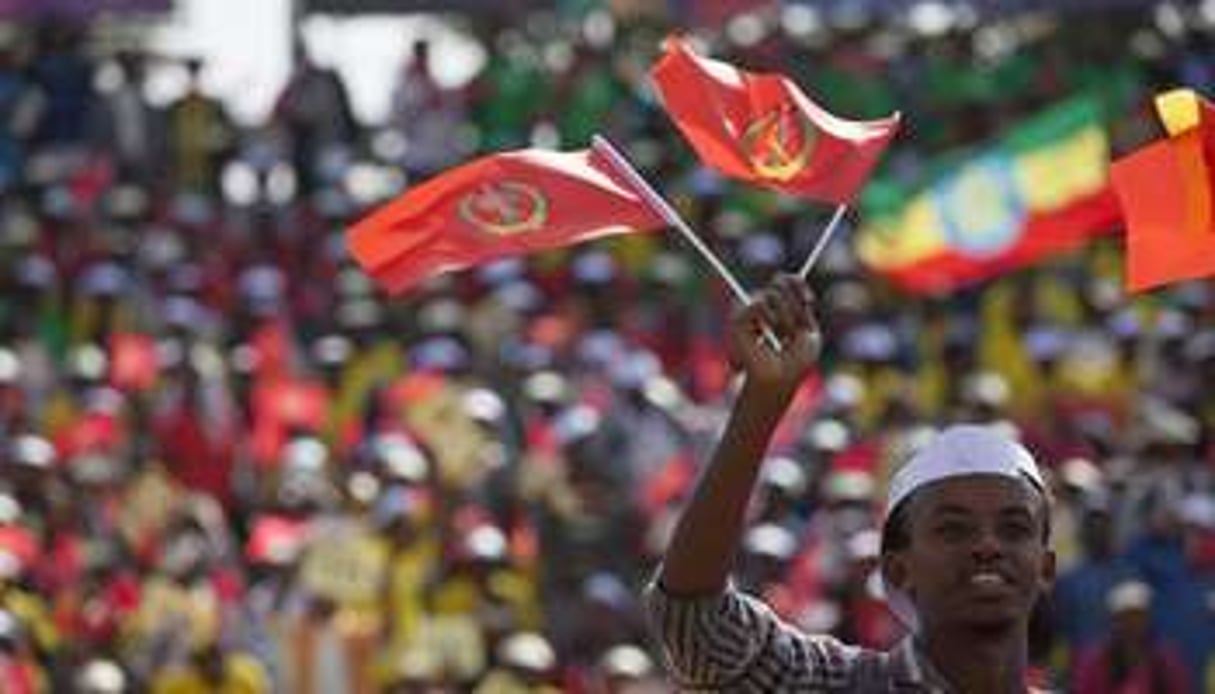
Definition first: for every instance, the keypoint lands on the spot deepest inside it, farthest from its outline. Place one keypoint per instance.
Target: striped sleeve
(734, 641)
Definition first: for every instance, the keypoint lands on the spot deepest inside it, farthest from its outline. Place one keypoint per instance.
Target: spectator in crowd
(1132, 658)
(430, 117)
(131, 126)
(200, 136)
(62, 75)
(314, 110)
(1081, 594)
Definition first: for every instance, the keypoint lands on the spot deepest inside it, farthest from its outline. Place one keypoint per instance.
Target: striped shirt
(732, 642)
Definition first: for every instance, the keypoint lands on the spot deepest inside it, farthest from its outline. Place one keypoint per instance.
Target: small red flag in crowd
(134, 362)
(505, 204)
(1165, 190)
(761, 127)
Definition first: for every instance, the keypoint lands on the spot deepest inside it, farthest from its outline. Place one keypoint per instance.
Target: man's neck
(986, 662)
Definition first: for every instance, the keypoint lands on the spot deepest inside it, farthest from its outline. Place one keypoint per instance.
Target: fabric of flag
(283, 407)
(505, 204)
(760, 127)
(1165, 193)
(1041, 190)
(134, 362)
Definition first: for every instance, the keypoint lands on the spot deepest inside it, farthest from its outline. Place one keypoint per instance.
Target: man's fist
(785, 308)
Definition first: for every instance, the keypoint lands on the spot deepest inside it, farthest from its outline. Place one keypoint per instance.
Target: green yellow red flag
(1040, 190)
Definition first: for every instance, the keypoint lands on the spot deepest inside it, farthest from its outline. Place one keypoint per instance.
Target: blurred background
(229, 463)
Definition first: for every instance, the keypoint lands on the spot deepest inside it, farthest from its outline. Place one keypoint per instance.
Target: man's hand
(784, 307)
(708, 534)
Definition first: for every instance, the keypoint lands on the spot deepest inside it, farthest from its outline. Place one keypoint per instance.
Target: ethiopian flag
(1040, 190)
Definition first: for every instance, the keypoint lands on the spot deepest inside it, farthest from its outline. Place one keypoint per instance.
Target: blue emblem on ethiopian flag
(980, 207)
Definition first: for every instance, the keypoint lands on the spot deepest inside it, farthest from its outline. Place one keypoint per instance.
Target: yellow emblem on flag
(780, 142)
(504, 208)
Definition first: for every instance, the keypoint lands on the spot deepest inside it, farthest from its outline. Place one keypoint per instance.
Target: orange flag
(1165, 190)
(504, 204)
(762, 128)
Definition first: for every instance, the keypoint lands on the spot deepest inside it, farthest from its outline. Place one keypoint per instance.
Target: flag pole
(823, 238)
(656, 202)
(664, 210)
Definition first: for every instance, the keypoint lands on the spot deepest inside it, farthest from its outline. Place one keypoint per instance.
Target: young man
(965, 550)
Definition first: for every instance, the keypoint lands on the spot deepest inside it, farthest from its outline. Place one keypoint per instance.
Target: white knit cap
(957, 451)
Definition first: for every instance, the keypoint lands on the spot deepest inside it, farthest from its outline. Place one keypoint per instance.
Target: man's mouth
(987, 580)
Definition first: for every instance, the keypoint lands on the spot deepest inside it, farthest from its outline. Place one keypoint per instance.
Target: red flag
(133, 361)
(282, 406)
(761, 127)
(505, 204)
(1166, 194)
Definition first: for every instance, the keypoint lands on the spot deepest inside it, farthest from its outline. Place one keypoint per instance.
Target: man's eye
(953, 531)
(1016, 530)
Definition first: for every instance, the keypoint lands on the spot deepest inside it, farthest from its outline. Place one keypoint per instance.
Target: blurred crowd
(228, 463)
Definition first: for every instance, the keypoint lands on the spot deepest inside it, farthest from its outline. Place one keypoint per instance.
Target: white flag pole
(823, 238)
(659, 205)
(664, 210)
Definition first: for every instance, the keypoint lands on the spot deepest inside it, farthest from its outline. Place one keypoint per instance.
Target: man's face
(977, 556)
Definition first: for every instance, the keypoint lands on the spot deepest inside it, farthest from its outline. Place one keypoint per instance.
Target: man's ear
(1046, 577)
(894, 570)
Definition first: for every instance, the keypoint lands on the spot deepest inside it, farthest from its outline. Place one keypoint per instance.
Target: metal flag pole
(823, 238)
(656, 202)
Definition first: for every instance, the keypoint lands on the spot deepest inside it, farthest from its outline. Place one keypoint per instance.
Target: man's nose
(986, 544)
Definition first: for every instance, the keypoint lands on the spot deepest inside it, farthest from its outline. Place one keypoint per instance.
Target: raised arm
(705, 541)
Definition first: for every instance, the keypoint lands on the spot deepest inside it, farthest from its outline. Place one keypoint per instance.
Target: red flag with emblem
(511, 203)
(760, 127)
